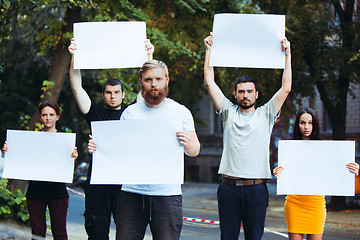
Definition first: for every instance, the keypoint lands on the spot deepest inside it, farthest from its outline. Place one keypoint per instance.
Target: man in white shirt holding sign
(157, 205)
(100, 200)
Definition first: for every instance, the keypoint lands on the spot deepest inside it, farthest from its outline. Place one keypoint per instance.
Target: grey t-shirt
(246, 140)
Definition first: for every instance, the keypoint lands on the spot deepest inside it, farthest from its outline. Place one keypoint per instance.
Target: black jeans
(242, 204)
(100, 203)
(135, 212)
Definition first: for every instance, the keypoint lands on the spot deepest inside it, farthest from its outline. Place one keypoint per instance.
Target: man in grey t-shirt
(242, 195)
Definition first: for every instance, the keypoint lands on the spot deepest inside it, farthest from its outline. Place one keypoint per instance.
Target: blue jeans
(100, 203)
(242, 204)
(135, 211)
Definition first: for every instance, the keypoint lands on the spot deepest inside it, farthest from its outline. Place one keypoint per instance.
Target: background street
(199, 201)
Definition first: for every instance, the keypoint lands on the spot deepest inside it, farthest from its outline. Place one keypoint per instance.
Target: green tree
(34, 36)
(33, 45)
(33, 53)
(325, 38)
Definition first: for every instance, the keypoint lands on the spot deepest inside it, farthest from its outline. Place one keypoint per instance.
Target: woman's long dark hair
(51, 104)
(315, 134)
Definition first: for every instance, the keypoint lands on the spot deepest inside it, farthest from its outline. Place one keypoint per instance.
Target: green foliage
(31, 29)
(39, 126)
(5, 3)
(13, 204)
(352, 59)
(325, 38)
(47, 85)
(24, 120)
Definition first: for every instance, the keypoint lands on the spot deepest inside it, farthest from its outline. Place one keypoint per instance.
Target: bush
(13, 204)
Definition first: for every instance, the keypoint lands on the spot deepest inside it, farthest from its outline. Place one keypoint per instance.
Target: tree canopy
(34, 36)
(34, 60)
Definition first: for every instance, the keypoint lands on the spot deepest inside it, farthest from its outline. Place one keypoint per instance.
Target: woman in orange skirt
(305, 214)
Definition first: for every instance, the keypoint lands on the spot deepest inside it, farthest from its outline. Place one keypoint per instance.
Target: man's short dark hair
(244, 79)
(113, 82)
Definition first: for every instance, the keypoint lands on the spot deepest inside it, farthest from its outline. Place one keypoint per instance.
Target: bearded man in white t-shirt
(157, 205)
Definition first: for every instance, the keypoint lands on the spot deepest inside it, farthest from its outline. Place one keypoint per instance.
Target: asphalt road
(275, 227)
(191, 230)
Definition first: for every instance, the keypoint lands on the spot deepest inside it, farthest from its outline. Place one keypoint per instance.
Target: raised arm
(281, 95)
(149, 49)
(82, 98)
(190, 142)
(213, 89)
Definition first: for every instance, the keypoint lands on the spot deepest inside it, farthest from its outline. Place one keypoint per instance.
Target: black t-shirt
(38, 190)
(99, 113)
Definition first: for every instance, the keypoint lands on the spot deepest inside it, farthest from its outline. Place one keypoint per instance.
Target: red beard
(154, 98)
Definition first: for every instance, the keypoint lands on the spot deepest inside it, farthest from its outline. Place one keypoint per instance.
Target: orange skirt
(305, 214)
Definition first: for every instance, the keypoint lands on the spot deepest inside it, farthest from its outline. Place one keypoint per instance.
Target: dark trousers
(57, 209)
(100, 203)
(135, 211)
(242, 204)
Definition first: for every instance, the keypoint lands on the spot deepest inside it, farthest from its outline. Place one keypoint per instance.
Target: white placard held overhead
(101, 45)
(42, 156)
(316, 168)
(137, 152)
(248, 41)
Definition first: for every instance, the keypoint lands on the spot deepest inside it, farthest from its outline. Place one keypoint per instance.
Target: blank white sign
(248, 40)
(101, 45)
(41, 156)
(316, 168)
(137, 152)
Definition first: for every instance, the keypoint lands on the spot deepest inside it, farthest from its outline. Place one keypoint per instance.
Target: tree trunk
(75, 115)
(60, 66)
(338, 120)
(337, 203)
(60, 63)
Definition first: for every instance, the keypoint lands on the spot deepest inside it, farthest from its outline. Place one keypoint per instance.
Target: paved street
(199, 201)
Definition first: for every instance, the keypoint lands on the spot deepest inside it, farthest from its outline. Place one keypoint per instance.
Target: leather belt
(242, 181)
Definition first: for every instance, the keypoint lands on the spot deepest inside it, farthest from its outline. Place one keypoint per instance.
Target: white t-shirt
(246, 140)
(168, 110)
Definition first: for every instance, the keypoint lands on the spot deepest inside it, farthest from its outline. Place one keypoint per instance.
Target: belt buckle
(239, 183)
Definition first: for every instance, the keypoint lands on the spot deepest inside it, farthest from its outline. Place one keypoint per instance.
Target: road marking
(277, 233)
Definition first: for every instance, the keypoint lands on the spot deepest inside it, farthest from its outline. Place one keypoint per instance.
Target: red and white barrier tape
(185, 218)
(78, 193)
(201, 220)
